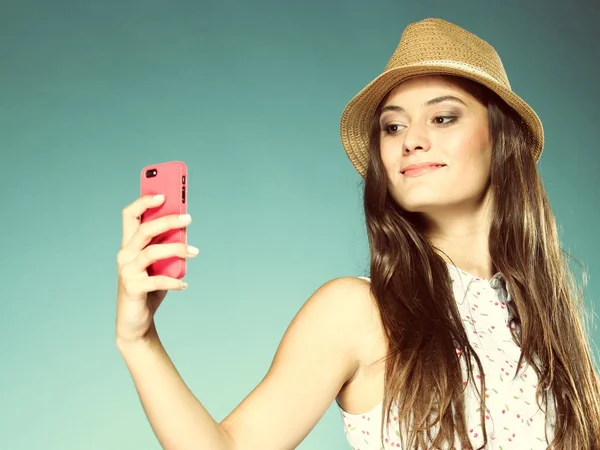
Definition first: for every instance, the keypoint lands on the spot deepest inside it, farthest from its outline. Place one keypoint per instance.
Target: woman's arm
(315, 358)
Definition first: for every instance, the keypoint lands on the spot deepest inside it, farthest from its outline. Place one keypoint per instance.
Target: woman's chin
(422, 205)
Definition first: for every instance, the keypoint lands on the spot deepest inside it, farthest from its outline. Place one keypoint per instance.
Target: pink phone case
(169, 179)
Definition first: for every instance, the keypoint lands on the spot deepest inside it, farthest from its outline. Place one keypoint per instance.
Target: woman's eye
(444, 120)
(392, 128)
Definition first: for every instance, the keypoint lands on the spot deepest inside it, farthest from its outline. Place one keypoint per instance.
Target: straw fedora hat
(432, 47)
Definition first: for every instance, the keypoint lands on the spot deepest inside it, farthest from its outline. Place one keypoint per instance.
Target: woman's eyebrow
(433, 101)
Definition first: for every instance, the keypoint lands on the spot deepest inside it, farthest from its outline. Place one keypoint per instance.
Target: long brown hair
(410, 282)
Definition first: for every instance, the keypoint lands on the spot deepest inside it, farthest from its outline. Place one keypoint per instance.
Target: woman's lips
(416, 170)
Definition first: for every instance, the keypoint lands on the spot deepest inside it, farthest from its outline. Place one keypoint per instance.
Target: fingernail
(185, 218)
(192, 250)
(159, 197)
(184, 285)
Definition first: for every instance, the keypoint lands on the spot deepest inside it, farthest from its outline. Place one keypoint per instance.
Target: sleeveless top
(513, 419)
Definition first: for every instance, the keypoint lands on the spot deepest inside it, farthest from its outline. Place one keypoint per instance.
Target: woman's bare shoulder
(350, 297)
(353, 308)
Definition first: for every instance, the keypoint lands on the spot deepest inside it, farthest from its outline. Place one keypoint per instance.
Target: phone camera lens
(151, 173)
(183, 179)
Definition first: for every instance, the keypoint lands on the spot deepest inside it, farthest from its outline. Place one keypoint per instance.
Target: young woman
(467, 334)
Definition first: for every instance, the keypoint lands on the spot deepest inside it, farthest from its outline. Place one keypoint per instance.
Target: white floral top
(513, 419)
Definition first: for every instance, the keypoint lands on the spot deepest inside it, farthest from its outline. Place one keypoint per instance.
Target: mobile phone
(170, 180)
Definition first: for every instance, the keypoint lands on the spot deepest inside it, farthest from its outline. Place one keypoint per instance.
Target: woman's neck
(464, 239)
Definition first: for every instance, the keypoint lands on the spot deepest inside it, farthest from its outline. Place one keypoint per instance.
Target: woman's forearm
(178, 419)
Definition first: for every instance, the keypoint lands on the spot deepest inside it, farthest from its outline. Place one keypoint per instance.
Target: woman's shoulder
(349, 306)
(354, 292)
(345, 302)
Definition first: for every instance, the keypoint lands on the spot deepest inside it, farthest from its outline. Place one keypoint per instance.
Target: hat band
(443, 63)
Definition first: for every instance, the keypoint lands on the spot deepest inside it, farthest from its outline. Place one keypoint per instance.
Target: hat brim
(356, 120)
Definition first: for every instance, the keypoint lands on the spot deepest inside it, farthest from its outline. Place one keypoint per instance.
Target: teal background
(249, 94)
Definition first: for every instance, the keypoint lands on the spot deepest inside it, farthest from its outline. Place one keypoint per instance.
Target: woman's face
(435, 145)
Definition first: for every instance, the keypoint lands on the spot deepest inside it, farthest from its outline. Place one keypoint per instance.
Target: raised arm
(316, 357)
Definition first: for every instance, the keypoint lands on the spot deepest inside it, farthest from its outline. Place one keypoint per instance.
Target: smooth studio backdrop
(249, 94)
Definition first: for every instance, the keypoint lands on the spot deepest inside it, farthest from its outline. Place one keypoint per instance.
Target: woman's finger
(156, 252)
(148, 230)
(132, 214)
(137, 287)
